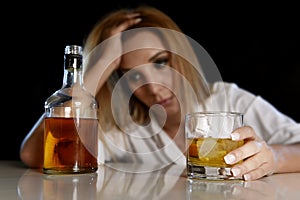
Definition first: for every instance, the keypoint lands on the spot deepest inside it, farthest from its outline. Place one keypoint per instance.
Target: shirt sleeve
(268, 122)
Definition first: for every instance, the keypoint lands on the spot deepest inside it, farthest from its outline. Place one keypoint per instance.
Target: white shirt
(159, 150)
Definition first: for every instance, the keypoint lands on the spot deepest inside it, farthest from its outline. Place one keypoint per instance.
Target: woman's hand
(115, 29)
(105, 58)
(259, 159)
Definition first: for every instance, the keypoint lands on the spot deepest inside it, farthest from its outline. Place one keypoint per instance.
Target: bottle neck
(72, 70)
(72, 77)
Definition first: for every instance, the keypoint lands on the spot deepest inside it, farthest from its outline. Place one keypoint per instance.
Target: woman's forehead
(142, 40)
(139, 57)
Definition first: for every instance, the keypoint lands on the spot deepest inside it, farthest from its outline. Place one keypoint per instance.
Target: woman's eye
(160, 63)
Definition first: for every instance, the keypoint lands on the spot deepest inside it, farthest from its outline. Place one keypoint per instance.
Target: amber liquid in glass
(65, 149)
(210, 151)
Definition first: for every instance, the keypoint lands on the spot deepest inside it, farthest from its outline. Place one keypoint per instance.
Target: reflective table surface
(19, 182)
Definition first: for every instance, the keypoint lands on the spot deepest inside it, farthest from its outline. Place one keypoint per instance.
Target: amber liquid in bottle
(69, 148)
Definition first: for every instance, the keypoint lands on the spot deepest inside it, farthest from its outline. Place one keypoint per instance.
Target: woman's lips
(165, 102)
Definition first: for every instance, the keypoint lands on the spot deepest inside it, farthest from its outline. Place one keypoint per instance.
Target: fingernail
(137, 20)
(236, 171)
(235, 136)
(258, 144)
(247, 177)
(229, 159)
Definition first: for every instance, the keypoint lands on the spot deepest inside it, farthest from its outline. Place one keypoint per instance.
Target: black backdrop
(251, 45)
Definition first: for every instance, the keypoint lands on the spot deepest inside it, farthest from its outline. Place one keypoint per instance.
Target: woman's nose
(153, 87)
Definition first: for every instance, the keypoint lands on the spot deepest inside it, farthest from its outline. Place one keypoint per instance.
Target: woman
(139, 62)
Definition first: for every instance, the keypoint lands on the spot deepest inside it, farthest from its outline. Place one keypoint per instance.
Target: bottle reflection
(35, 185)
(70, 186)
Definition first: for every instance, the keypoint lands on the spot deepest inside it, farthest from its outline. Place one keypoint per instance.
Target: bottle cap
(73, 49)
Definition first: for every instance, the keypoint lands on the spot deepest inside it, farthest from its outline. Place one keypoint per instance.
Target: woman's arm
(32, 147)
(287, 157)
(272, 139)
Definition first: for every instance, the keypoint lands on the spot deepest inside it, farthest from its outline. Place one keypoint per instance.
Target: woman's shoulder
(221, 85)
(230, 88)
(236, 97)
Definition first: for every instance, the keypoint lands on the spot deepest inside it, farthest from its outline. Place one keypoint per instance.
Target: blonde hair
(151, 17)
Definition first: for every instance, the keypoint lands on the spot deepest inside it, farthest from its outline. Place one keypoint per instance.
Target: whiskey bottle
(71, 125)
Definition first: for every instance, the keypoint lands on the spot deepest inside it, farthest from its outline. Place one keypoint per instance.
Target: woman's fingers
(257, 156)
(242, 133)
(248, 149)
(130, 20)
(262, 170)
(257, 166)
(112, 47)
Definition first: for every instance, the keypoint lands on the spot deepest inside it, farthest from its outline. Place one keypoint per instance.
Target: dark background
(253, 45)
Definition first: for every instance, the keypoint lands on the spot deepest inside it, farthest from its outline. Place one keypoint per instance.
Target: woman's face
(149, 75)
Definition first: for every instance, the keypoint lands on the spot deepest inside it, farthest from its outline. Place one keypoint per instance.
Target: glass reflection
(205, 189)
